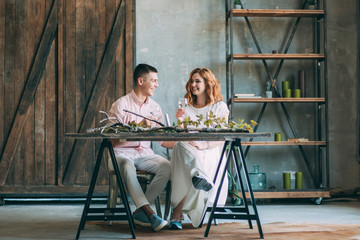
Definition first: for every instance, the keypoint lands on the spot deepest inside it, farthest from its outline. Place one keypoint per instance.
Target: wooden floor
(290, 219)
(240, 231)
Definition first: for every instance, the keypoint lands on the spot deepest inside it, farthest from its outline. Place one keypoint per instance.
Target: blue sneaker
(141, 219)
(157, 223)
(175, 225)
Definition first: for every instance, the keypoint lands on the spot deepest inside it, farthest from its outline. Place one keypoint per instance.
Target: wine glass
(183, 102)
(154, 114)
(182, 105)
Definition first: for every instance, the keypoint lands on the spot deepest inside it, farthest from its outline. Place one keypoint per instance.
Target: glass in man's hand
(151, 123)
(182, 103)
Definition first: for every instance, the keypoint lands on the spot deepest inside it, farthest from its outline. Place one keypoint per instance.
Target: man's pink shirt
(132, 103)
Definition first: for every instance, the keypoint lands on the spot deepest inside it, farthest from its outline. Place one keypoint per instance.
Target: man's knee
(164, 167)
(125, 165)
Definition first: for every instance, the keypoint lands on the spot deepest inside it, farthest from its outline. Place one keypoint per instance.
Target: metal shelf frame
(320, 76)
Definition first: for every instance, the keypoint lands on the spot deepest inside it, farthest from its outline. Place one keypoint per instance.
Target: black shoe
(201, 183)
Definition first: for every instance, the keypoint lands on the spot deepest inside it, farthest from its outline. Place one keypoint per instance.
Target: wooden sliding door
(61, 61)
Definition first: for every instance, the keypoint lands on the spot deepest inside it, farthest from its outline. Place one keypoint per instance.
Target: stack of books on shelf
(246, 95)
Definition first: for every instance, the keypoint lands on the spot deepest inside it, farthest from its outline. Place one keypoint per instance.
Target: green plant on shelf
(237, 4)
(311, 2)
(268, 86)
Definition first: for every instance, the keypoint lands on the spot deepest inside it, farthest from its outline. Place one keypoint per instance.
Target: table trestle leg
(122, 189)
(102, 213)
(91, 190)
(243, 195)
(236, 212)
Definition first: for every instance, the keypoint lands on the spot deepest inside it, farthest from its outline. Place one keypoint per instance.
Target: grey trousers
(155, 164)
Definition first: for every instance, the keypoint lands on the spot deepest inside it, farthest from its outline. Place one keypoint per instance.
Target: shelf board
(277, 100)
(284, 143)
(312, 193)
(277, 13)
(271, 56)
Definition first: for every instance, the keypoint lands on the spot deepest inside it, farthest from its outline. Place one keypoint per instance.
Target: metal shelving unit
(320, 143)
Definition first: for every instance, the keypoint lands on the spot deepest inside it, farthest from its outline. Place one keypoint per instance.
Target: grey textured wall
(178, 36)
(342, 39)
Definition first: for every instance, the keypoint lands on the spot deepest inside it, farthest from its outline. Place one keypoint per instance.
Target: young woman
(194, 163)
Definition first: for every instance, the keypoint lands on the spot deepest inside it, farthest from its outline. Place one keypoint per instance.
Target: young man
(132, 156)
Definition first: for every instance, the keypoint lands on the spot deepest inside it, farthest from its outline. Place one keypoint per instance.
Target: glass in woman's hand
(182, 103)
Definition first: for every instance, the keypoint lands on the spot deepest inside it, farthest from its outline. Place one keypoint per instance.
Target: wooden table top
(169, 136)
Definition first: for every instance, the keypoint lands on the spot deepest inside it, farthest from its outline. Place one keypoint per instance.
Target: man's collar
(137, 100)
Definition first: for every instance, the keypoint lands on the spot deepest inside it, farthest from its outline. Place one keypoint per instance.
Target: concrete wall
(178, 36)
(343, 42)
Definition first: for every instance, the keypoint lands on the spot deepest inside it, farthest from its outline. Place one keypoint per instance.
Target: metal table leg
(126, 213)
(247, 181)
(122, 189)
(237, 212)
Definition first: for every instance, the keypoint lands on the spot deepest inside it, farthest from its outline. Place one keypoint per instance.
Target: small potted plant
(311, 4)
(268, 90)
(237, 4)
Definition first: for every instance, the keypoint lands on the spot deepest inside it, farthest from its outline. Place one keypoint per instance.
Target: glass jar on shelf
(257, 179)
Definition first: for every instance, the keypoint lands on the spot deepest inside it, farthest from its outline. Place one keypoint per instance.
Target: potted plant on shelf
(311, 4)
(237, 4)
(268, 90)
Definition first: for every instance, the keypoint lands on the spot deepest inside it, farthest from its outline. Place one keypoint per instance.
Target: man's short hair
(141, 70)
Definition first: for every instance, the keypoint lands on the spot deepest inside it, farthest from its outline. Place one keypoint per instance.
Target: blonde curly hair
(212, 87)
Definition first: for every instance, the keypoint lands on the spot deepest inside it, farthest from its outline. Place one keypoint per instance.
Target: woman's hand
(201, 145)
(180, 113)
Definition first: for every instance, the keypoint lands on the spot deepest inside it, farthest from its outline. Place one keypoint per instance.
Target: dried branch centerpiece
(210, 123)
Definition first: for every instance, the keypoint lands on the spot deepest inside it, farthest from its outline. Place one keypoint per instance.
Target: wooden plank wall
(65, 88)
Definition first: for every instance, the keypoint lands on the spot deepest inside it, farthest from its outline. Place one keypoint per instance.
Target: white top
(219, 109)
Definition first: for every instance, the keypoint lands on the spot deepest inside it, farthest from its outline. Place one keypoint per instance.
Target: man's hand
(168, 144)
(147, 123)
(201, 145)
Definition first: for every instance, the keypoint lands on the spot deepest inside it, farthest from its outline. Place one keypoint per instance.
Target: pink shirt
(132, 103)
